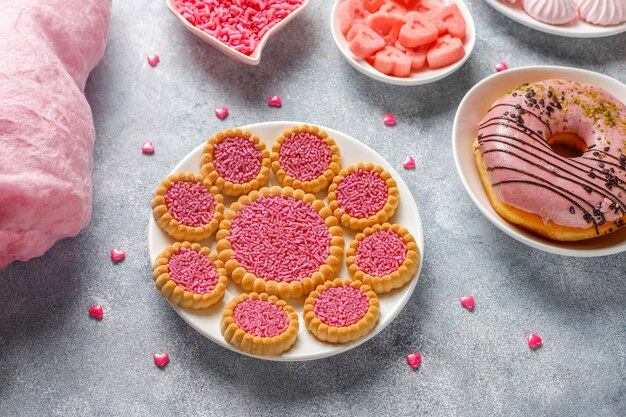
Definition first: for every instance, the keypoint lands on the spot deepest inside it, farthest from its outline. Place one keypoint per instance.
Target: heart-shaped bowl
(416, 78)
(255, 57)
(471, 111)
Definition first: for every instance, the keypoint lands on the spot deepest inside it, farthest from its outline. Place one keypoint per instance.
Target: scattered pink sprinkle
(221, 112)
(389, 120)
(468, 302)
(280, 238)
(362, 193)
(304, 156)
(96, 311)
(161, 359)
(409, 162)
(153, 60)
(261, 318)
(190, 203)
(534, 341)
(192, 271)
(341, 306)
(147, 148)
(414, 359)
(237, 159)
(274, 101)
(501, 66)
(117, 255)
(380, 253)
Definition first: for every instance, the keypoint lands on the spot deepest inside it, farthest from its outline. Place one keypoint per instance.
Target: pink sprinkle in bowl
(255, 57)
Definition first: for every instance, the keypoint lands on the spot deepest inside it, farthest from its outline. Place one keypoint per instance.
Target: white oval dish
(576, 29)
(473, 108)
(416, 78)
(307, 347)
(253, 59)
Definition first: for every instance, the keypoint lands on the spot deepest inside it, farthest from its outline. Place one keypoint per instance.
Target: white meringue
(602, 12)
(553, 12)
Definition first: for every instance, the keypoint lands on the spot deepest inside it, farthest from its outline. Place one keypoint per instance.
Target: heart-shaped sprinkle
(153, 60)
(147, 148)
(501, 66)
(414, 359)
(409, 162)
(117, 255)
(534, 341)
(95, 311)
(161, 359)
(468, 302)
(274, 101)
(389, 120)
(221, 112)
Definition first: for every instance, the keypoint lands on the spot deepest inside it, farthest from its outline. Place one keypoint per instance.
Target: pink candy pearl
(501, 66)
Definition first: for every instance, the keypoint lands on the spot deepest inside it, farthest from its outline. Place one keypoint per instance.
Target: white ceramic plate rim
(478, 194)
(417, 78)
(402, 295)
(578, 29)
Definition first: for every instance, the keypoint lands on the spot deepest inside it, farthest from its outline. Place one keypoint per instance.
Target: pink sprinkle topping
(147, 148)
(274, 101)
(280, 239)
(161, 359)
(192, 271)
(468, 302)
(389, 120)
(380, 253)
(221, 112)
(534, 341)
(414, 359)
(96, 311)
(341, 306)
(237, 159)
(239, 24)
(409, 162)
(501, 66)
(304, 156)
(117, 255)
(261, 318)
(362, 193)
(153, 60)
(190, 203)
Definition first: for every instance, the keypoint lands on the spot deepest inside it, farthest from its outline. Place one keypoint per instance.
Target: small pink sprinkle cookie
(280, 241)
(385, 257)
(236, 161)
(187, 207)
(305, 157)
(341, 311)
(260, 324)
(363, 195)
(189, 275)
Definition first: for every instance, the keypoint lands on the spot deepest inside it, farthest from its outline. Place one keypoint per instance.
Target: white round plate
(424, 76)
(471, 111)
(307, 347)
(576, 29)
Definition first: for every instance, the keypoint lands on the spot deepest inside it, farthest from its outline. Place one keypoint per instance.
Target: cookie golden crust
(310, 185)
(341, 311)
(385, 257)
(259, 261)
(236, 161)
(194, 267)
(274, 335)
(197, 207)
(353, 206)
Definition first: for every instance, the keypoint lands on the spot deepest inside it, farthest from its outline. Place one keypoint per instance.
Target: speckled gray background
(54, 360)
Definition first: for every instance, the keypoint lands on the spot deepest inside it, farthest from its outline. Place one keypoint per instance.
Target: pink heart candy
(221, 112)
(274, 101)
(468, 302)
(153, 60)
(147, 147)
(501, 66)
(534, 341)
(414, 359)
(117, 255)
(389, 120)
(409, 162)
(161, 359)
(95, 311)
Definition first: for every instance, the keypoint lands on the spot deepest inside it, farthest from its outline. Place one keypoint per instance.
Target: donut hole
(569, 145)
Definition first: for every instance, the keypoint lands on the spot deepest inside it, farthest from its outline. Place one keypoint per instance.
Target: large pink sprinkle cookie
(261, 318)
(381, 253)
(190, 203)
(192, 271)
(341, 306)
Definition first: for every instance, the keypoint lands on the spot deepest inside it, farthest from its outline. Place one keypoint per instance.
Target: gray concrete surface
(54, 360)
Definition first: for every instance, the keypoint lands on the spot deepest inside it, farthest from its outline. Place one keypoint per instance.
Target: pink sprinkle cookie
(187, 207)
(280, 241)
(363, 195)
(385, 257)
(260, 324)
(341, 311)
(236, 161)
(189, 275)
(305, 157)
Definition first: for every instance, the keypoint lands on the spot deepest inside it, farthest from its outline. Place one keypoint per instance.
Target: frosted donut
(562, 197)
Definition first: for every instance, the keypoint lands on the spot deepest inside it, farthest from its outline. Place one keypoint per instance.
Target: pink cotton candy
(190, 203)
(380, 253)
(261, 318)
(192, 271)
(362, 193)
(237, 159)
(341, 306)
(305, 156)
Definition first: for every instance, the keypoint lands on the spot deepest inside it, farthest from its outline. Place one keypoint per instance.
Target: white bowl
(253, 59)
(576, 29)
(473, 108)
(423, 76)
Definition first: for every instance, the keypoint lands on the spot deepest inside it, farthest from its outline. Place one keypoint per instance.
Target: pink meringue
(602, 12)
(552, 12)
